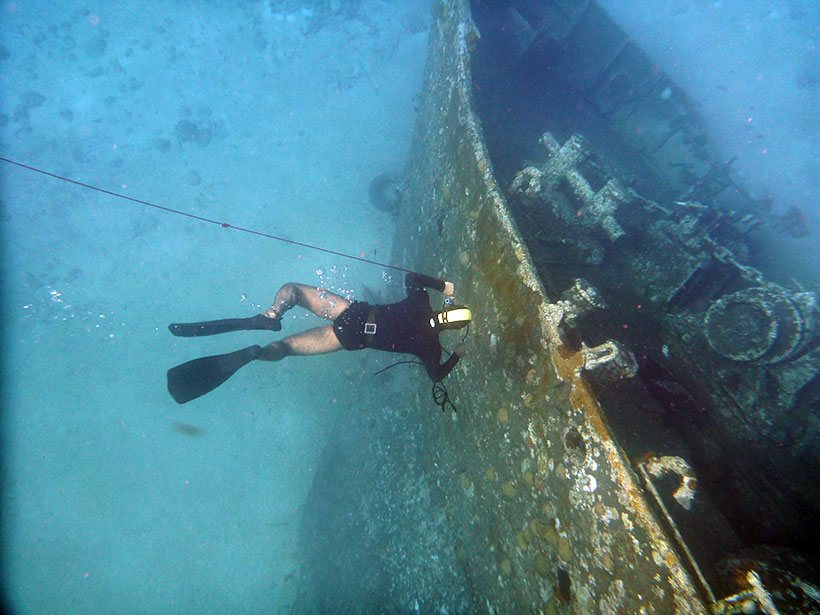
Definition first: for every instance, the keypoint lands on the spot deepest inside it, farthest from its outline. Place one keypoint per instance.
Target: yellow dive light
(453, 318)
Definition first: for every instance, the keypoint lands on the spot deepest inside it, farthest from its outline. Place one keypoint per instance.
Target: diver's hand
(459, 350)
(449, 289)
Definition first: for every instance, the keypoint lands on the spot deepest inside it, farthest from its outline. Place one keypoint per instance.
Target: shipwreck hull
(559, 485)
(546, 506)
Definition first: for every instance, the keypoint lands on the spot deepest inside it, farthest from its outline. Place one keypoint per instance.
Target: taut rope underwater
(201, 218)
(440, 394)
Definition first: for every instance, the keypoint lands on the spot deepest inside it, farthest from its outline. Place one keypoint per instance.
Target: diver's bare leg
(323, 303)
(320, 340)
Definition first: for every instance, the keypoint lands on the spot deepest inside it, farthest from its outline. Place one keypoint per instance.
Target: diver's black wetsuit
(399, 327)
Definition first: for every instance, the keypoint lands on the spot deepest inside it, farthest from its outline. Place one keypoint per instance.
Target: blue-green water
(271, 115)
(752, 67)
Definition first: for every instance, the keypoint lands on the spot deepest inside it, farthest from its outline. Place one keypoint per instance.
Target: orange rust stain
(568, 364)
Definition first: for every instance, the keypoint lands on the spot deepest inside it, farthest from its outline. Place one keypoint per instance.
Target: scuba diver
(409, 326)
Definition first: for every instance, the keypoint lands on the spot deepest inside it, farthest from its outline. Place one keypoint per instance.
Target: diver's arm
(418, 281)
(440, 372)
(445, 368)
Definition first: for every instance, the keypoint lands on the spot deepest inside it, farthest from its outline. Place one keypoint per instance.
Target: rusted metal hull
(545, 510)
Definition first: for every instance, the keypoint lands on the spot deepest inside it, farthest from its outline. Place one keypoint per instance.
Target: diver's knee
(289, 289)
(286, 297)
(274, 351)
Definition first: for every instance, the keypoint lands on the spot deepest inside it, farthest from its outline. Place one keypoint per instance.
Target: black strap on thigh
(370, 327)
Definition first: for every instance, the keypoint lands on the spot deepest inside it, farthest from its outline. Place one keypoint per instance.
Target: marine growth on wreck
(638, 423)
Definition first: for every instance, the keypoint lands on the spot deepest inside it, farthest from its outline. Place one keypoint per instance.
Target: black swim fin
(195, 378)
(214, 327)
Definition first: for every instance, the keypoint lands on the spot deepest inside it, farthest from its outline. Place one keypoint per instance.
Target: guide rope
(187, 214)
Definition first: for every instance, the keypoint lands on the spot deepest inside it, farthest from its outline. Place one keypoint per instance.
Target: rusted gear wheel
(761, 325)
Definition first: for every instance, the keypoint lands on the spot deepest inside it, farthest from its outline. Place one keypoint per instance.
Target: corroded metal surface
(546, 512)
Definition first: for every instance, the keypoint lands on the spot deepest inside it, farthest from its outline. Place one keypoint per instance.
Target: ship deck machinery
(611, 178)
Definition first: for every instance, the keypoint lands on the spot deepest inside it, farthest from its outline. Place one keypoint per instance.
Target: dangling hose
(440, 395)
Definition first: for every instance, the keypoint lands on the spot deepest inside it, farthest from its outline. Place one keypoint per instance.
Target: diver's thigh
(321, 302)
(313, 341)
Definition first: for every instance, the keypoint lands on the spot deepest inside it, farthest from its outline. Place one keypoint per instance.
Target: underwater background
(273, 115)
(269, 115)
(752, 68)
